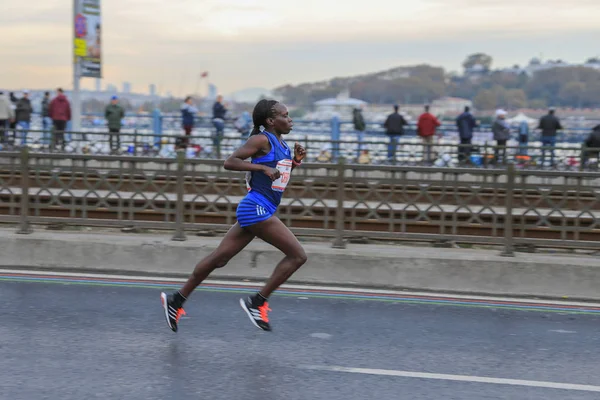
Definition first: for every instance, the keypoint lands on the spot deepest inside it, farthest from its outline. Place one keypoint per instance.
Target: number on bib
(285, 169)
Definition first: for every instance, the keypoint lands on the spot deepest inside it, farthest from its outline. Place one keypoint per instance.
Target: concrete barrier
(398, 267)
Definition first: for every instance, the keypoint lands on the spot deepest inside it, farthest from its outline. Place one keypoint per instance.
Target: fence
(159, 124)
(377, 150)
(506, 207)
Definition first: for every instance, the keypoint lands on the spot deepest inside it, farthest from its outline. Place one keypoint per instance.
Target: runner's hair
(262, 110)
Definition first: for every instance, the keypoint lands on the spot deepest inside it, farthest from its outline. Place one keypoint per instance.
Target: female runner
(267, 177)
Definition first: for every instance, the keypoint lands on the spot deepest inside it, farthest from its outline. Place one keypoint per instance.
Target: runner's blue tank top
(260, 187)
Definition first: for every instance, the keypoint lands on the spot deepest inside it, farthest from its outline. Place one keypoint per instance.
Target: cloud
(270, 42)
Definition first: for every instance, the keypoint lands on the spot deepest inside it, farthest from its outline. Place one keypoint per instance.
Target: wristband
(296, 163)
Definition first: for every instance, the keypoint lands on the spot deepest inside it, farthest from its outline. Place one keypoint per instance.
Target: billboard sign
(87, 38)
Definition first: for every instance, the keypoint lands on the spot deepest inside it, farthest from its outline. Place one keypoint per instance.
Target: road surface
(91, 338)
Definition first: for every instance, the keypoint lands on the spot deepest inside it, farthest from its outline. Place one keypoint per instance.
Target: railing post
(179, 207)
(24, 228)
(157, 127)
(339, 214)
(335, 137)
(508, 217)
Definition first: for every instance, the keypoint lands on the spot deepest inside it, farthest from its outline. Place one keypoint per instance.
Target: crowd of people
(16, 114)
(427, 129)
(15, 117)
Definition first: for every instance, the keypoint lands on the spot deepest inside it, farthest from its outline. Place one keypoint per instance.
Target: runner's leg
(274, 232)
(234, 241)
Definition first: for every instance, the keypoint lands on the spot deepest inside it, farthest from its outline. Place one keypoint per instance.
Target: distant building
(126, 87)
(212, 91)
(152, 89)
(476, 72)
(341, 105)
(111, 88)
(450, 105)
(98, 85)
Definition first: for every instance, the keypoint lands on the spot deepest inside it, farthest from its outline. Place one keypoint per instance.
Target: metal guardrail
(501, 206)
(377, 150)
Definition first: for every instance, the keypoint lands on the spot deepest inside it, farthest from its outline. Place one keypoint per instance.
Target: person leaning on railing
(426, 128)
(60, 112)
(593, 143)
(6, 115)
(501, 131)
(114, 114)
(394, 128)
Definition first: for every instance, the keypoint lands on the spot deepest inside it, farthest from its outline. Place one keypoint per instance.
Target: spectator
(59, 111)
(592, 143)
(188, 113)
(466, 124)
(7, 115)
(394, 128)
(325, 154)
(13, 105)
(23, 115)
(244, 125)
(501, 131)
(358, 120)
(46, 121)
(219, 113)
(114, 114)
(523, 138)
(426, 127)
(549, 125)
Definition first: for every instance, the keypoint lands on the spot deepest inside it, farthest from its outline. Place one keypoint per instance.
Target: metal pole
(339, 214)
(179, 206)
(508, 217)
(76, 98)
(24, 227)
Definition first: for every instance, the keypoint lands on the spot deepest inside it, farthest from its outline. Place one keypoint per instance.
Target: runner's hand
(272, 173)
(299, 152)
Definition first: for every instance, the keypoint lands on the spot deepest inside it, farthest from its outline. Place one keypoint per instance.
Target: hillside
(561, 86)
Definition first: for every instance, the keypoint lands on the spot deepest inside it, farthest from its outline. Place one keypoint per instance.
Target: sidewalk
(382, 266)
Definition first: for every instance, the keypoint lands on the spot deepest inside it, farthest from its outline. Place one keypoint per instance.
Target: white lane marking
(320, 335)
(561, 331)
(458, 378)
(399, 293)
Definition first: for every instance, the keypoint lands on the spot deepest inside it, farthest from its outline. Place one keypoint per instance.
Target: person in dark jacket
(394, 128)
(13, 124)
(59, 111)
(23, 115)
(549, 125)
(114, 114)
(466, 124)
(46, 121)
(188, 113)
(593, 143)
(358, 121)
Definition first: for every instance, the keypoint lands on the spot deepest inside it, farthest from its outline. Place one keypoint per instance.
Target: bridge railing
(501, 206)
(372, 150)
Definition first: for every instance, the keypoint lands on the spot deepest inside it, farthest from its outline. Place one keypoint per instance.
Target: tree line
(576, 86)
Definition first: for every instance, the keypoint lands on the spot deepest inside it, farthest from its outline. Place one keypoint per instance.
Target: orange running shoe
(258, 312)
(172, 311)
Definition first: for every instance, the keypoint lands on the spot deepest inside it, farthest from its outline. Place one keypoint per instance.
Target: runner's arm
(257, 144)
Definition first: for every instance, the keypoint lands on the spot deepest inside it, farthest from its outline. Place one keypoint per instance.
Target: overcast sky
(267, 43)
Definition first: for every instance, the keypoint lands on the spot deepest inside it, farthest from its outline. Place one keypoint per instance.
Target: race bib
(285, 169)
(248, 178)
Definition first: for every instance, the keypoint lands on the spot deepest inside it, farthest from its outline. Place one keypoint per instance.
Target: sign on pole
(87, 50)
